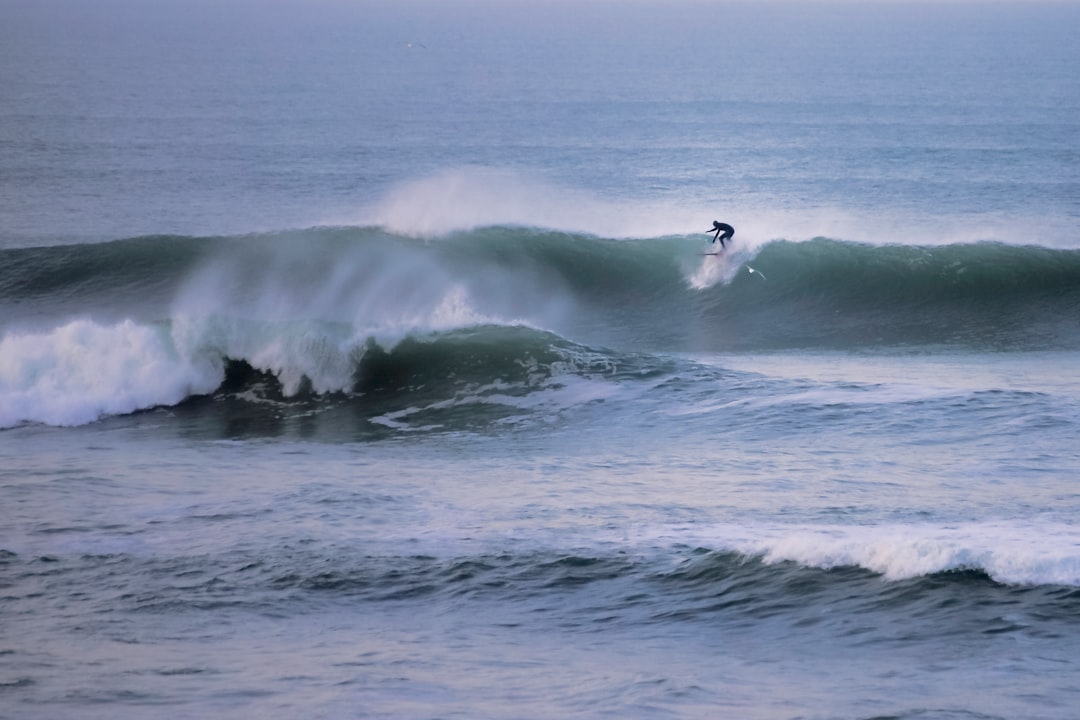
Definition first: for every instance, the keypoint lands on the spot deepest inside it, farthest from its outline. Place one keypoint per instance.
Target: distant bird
(752, 271)
(412, 45)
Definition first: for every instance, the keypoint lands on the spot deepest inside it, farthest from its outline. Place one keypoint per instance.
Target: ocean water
(361, 360)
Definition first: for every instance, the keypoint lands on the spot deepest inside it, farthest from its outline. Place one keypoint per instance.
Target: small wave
(1014, 553)
(625, 587)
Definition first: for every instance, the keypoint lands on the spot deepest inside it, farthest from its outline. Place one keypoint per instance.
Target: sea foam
(81, 371)
(1013, 553)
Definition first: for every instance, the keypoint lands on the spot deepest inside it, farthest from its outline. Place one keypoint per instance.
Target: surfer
(723, 232)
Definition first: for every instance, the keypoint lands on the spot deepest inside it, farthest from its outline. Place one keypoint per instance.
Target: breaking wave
(96, 330)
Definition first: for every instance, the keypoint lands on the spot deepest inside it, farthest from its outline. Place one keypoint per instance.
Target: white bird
(760, 274)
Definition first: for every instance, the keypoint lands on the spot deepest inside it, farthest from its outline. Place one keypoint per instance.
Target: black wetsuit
(723, 232)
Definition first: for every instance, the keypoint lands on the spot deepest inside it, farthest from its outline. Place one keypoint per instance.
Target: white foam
(290, 350)
(77, 373)
(720, 268)
(1010, 552)
(82, 371)
(1016, 552)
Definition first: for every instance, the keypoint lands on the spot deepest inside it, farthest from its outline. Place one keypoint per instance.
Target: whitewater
(365, 360)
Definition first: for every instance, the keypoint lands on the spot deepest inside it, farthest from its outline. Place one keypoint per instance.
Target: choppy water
(362, 361)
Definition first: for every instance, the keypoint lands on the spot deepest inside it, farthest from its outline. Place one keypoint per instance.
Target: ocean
(364, 359)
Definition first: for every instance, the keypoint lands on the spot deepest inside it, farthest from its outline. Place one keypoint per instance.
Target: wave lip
(1011, 553)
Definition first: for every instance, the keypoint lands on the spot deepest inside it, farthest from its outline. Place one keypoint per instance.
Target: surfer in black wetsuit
(723, 232)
